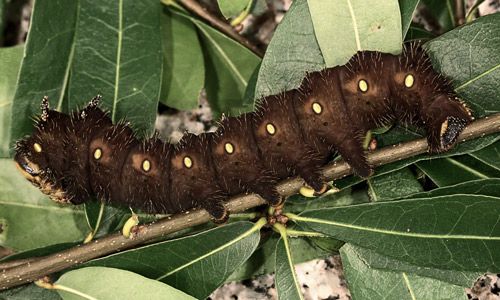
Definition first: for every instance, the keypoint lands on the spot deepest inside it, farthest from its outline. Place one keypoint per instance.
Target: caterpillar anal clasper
(294, 133)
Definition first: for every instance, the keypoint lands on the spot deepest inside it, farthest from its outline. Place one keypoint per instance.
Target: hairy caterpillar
(74, 157)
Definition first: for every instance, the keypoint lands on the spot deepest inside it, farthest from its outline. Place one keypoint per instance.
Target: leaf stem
(470, 14)
(236, 21)
(245, 216)
(40, 266)
(283, 232)
(95, 228)
(196, 9)
(299, 233)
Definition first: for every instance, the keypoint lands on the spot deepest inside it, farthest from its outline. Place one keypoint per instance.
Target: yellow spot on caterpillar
(363, 85)
(229, 148)
(409, 80)
(37, 147)
(270, 129)
(188, 163)
(317, 108)
(97, 153)
(146, 165)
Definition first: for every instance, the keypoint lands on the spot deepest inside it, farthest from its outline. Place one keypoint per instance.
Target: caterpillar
(74, 157)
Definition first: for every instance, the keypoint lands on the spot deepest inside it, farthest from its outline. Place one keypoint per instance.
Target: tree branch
(195, 8)
(15, 273)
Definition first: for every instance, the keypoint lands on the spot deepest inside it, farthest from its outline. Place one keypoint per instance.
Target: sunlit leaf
(344, 27)
(292, 52)
(196, 264)
(181, 52)
(108, 283)
(231, 8)
(32, 219)
(118, 54)
(10, 62)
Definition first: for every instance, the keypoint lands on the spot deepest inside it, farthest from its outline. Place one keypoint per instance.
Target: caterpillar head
(39, 156)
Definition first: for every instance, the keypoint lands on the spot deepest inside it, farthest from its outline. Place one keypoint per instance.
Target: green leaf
(118, 54)
(489, 155)
(47, 61)
(29, 291)
(407, 8)
(393, 185)
(292, 52)
(380, 262)
(107, 283)
(33, 220)
(263, 259)
(37, 252)
(448, 171)
(358, 24)
(231, 8)
(469, 56)
(10, 62)
(439, 232)
(416, 32)
(229, 67)
(196, 264)
(485, 187)
(109, 220)
(285, 277)
(443, 11)
(366, 282)
(184, 68)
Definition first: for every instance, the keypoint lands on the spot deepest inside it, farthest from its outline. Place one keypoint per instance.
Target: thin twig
(195, 8)
(459, 12)
(12, 274)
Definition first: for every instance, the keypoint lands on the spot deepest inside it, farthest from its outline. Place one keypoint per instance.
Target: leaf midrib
(472, 80)
(118, 58)
(354, 25)
(403, 233)
(247, 233)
